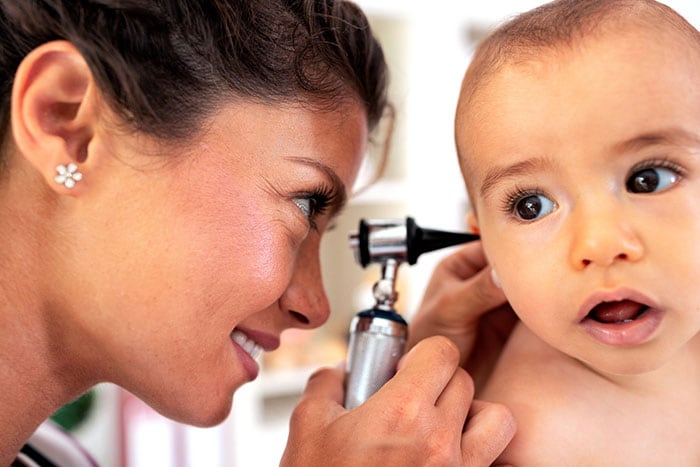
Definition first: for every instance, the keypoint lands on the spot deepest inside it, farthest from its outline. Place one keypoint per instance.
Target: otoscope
(378, 335)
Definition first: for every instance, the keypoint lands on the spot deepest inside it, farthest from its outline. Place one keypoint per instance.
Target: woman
(168, 169)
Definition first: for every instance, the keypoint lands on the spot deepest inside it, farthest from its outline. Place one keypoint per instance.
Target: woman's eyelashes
(315, 203)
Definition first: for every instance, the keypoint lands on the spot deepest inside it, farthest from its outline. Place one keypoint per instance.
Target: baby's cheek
(527, 295)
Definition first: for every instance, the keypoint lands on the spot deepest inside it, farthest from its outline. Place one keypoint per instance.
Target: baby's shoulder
(529, 367)
(555, 401)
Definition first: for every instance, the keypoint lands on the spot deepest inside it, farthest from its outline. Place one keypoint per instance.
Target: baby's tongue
(615, 312)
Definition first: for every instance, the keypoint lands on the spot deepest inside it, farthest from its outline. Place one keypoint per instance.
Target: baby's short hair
(562, 24)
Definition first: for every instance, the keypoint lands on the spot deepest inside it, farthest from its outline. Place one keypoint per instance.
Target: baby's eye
(532, 206)
(652, 179)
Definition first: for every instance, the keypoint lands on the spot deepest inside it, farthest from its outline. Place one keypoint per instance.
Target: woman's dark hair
(164, 65)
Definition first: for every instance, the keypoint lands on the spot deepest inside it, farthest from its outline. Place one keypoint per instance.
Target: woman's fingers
(453, 404)
(417, 418)
(474, 288)
(464, 261)
(490, 427)
(425, 369)
(323, 396)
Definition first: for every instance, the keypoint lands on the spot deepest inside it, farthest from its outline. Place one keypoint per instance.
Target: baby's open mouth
(618, 312)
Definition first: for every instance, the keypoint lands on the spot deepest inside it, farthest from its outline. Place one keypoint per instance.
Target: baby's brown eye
(528, 208)
(532, 207)
(651, 179)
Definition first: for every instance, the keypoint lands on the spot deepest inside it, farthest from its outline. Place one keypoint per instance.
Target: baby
(578, 133)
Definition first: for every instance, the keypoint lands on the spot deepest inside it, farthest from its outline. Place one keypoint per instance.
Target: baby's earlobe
(472, 223)
(495, 279)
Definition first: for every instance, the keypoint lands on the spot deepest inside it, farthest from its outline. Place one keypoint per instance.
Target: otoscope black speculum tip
(420, 240)
(378, 240)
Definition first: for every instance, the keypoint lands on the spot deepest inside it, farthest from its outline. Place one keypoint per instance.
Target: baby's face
(584, 172)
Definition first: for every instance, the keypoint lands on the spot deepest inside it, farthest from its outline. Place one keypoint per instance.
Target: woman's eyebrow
(496, 175)
(340, 198)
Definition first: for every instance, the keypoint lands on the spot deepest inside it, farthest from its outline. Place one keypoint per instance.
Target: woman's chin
(198, 411)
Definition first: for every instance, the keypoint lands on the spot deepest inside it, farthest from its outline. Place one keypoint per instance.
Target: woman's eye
(652, 179)
(307, 206)
(530, 207)
(315, 203)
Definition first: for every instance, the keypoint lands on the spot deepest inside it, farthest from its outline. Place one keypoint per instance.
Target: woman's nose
(602, 237)
(305, 298)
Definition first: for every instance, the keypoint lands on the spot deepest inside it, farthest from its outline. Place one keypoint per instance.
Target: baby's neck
(682, 367)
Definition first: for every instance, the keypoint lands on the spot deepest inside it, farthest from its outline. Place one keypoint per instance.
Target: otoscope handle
(377, 341)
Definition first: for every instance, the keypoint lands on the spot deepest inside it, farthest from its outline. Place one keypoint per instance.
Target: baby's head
(578, 133)
(552, 33)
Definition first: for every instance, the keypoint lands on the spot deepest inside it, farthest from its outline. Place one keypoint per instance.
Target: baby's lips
(610, 305)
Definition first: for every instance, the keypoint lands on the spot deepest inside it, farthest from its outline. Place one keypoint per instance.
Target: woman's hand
(420, 417)
(463, 303)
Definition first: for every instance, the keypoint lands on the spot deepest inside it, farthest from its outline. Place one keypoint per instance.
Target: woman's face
(183, 266)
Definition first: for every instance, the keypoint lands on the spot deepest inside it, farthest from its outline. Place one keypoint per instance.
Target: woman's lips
(621, 317)
(249, 345)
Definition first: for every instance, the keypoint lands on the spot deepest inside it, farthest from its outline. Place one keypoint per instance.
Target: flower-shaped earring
(68, 175)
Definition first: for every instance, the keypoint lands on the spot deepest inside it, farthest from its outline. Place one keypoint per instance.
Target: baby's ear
(473, 222)
(54, 110)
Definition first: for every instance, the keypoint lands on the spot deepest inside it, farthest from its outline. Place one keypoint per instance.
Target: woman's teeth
(249, 345)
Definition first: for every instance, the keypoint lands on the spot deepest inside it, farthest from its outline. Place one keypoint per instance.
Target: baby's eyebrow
(495, 175)
(668, 136)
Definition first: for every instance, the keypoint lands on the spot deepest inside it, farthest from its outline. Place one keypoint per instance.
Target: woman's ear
(473, 222)
(54, 111)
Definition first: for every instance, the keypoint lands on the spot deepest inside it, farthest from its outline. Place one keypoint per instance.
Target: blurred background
(428, 46)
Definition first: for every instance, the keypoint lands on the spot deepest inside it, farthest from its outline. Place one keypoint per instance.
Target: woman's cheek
(272, 259)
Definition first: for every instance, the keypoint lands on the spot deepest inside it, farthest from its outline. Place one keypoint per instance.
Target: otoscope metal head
(378, 335)
(401, 240)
